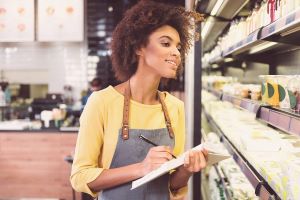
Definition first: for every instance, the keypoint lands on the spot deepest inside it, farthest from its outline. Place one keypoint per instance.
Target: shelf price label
(290, 19)
(250, 38)
(239, 44)
(272, 28)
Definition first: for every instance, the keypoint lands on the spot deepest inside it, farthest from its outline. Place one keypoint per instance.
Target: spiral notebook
(213, 157)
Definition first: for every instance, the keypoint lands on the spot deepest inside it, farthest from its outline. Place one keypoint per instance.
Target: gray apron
(131, 149)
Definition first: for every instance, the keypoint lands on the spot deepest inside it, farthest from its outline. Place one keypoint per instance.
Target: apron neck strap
(166, 114)
(125, 124)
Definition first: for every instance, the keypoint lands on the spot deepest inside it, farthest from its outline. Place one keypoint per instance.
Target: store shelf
(216, 59)
(247, 104)
(284, 30)
(262, 189)
(220, 21)
(223, 181)
(282, 119)
(280, 36)
(217, 93)
(244, 45)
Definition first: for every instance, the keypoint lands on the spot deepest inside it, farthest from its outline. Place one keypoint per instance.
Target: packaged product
(270, 94)
(294, 93)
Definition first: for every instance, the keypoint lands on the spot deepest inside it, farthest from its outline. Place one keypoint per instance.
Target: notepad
(213, 157)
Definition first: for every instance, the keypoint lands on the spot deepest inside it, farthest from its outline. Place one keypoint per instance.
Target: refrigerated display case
(266, 40)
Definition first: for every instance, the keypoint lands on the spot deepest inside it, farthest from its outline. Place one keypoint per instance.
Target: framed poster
(16, 20)
(60, 20)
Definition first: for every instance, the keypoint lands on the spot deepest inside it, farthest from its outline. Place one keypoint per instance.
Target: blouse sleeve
(85, 167)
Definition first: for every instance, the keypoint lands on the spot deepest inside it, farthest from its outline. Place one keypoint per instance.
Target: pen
(150, 142)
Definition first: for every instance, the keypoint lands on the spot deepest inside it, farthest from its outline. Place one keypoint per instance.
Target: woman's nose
(175, 52)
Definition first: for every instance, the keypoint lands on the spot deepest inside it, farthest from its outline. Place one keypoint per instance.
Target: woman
(147, 46)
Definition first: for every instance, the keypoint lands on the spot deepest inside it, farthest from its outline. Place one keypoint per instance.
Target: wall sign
(60, 20)
(16, 20)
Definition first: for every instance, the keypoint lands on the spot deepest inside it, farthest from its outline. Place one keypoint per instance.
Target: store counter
(32, 163)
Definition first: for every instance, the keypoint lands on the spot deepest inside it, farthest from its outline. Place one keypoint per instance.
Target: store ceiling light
(101, 26)
(110, 9)
(262, 47)
(101, 33)
(216, 7)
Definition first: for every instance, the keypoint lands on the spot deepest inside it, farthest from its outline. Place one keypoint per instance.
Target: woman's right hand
(155, 158)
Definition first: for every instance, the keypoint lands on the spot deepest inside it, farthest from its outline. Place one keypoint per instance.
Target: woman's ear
(139, 52)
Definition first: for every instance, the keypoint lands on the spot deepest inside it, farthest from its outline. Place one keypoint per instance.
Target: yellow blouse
(98, 133)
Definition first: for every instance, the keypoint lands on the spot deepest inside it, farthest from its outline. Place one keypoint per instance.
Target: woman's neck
(144, 88)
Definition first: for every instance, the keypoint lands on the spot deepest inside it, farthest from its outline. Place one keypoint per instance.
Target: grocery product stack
(273, 154)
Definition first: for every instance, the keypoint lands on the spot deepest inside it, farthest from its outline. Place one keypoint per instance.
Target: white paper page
(213, 157)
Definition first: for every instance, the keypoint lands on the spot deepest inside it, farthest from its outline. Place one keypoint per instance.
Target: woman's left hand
(195, 160)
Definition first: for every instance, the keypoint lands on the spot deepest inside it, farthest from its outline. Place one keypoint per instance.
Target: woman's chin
(170, 76)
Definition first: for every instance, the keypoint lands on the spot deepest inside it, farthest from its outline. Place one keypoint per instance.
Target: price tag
(272, 29)
(290, 19)
(239, 44)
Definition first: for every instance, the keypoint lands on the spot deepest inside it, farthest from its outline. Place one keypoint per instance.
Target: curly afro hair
(139, 22)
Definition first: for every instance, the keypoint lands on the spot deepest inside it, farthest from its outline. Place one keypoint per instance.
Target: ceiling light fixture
(110, 9)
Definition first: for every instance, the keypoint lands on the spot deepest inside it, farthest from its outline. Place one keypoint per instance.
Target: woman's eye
(166, 44)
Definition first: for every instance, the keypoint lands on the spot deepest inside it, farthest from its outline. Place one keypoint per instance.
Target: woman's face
(162, 53)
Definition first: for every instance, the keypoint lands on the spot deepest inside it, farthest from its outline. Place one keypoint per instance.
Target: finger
(187, 160)
(202, 160)
(205, 152)
(159, 160)
(196, 166)
(161, 152)
(192, 158)
(164, 154)
(165, 149)
(161, 148)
